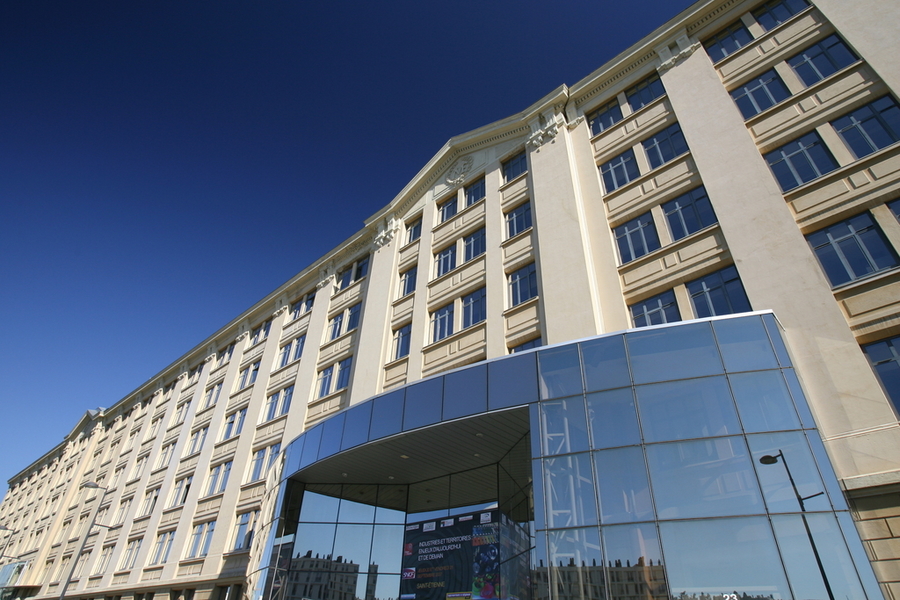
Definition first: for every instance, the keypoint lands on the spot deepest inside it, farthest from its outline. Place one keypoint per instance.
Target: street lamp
(770, 459)
(73, 561)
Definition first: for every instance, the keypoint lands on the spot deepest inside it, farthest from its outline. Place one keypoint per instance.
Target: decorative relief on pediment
(457, 173)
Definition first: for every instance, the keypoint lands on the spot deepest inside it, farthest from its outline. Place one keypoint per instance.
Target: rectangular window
(442, 322)
(353, 316)
(343, 373)
(103, 562)
(408, 281)
(689, 212)
(149, 503)
(645, 92)
(665, 145)
(212, 395)
(335, 326)
(772, 14)
(821, 60)
(195, 443)
(401, 341)
(344, 322)
(278, 403)
(413, 231)
(619, 171)
(201, 538)
(121, 513)
(514, 167)
(523, 285)
(181, 489)
(139, 467)
(884, 356)
(445, 260)
(636, 238)
(474, 308)
(656, 310)
(871, 127)
(218, 478)
(760, 93)
(180, 413)
(292, 351)
(518, 220)
(324, 382)
(800, 161)
(728, 41)
(447, 209)
(194, 375)
(162, 548)
(234, 423)
(224, 355)
(303, 305)
(353, 273)
(256, 464)
(895, 208)
(605, 117)
(129, 558)
(245, 525)
(474, 244)
(475, 192)
(852, 249)
(535, 343)
(260, 333)
(719, 293)
(165, 455)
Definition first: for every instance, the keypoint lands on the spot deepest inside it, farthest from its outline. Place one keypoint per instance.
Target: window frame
(866, 133)
(689, 203)
(622, 166)
(518, 293)
(447, 209)
(408, 281)
(645, 92)
(809, 70)
(664, 302)
(475, 192)
(605, 117)
(735, 34)
(352, 273)
(278, 404)
(445, 260)
(769, 84)
(402, 338)
(234, 424)
(518, 220)
(825, 246)
(729, 287)
(474, 308)
(805, 144)
(218, 478)
(413, 230)
(291, 351)
(665, 146)
(640, 229)
(514, 167)
(302, 305)
(474, 245)
(442, 322)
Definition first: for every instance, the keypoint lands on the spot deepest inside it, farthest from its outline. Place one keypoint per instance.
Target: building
(460, 351)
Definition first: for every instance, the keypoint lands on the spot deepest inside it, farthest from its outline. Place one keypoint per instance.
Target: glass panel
(332, 430)
(352, 544)
(776, 486)
(693, 408)
(763, 401)
(386, 545)
(564, 426)
(387, 587)
(387, 415)
(311, 446)
(293, 454)
(537, 492)
(715, 556)
(361, 509)
(318, 508)
(576, 559)
(706, 478)
(465, 392)
(863, 566)
(391, 504)
(799, 399)
(570, 491)
(623, 485)
(314, 539)
(560, 372)
(807, 580)
(826, 471)
(423, 404)
(775, 335)
(744, 344)
(512, 381)
(673, 353)
(605, 363)
(632, 554)
(356, 425)
(613, 418)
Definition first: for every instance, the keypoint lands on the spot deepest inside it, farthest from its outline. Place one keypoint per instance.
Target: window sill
(455, 335)
(269, 422)
(436, 232)
(512, 181)
(757, 41)
(350, 286)
(866, 280)
(397, 362)
(832, 176)
(330, 396)
(287, 366)
(643, 178)
(410, 244)
(673, 247)
(520, 306)
(456, 269)
(511, 240)
(622, 123)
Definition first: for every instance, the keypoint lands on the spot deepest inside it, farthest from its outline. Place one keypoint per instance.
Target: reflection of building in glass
(472, 347)
(629, 582)
(320, 578)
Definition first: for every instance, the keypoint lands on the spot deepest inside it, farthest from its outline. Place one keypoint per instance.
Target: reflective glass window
(314, 539)
(362, 508)
(821, 60)
(884, 356)
(645, 92)
(537, 473)
(760, 93)
(619, 171)
(605, 365)
(728, 41)
(613, 419)
(870, 128)
(775, 336)
(332, 431)
(852, 249)
(356, 425)
(354, 543)
(665, 145)
(637, 548)
(569, 491)
(858, 554)
(800, 161)
(387, 415)
(690, 408)
(573, 548)
(465, 392)
(703, 478)
(719, 293)
(799, 398)
(563, 426)
(689, 212)
(657, 310)
(319, 508)
(744, 344)
(385, 542)
(787, 448)
(831, 483)
(763, 401)
(512, 381)
(675, 353)
(772, 14)
(605, 117)
(391, 504)
(423, 403)
(636, 238)
(311, 446)
(560, 372)
(624, 488)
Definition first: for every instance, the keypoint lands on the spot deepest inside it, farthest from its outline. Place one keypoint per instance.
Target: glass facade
(678, 461)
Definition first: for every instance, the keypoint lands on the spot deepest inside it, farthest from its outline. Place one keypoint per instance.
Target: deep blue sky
(164, 165)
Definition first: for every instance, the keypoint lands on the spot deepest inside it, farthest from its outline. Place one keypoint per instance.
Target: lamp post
(73, 561)
(770, 459)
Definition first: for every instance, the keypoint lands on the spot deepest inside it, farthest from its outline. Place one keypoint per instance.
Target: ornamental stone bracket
(387, 229)
(279, 311)
(675, 52)
(545, 128)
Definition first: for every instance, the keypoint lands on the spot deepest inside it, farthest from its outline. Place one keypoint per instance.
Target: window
(665, 145)
(180, 413)
(103, 562)
(343, 374)
(442, 322)
(151, 433)
(475, 192)
(408, 281)
(645, 92)
(61, 569)
(201, 538)
(636, 238)
(523, 285)
(324, 381)
(234, 423)
(727, 41)
(121, 513)
(131, 552)
(535, 343)
(870, 128)
(212, 395)
(800, 161)
(181, 489)
(246, 523)
(689, 213)
(259, 464)
(328, 378)
(514, 167)
(474, 244)
(195, 443)
(719, 293)
(218, 478)
(821, 60)
(445, 260)
(447, 209)
(895, 208)
(139, 466)
(656, 310)
(605, 117)
(474, 308)
(247, 376)
(353, 273)
(772, 14)
(401, 341)
(80, 564)
(350, 316)
(278, 403)
(884, 356)
(194, 375)
(760, 93)
(260, 333)
(852, 249)
(291, 351)
(619, 171)
(413, 231)
(518, 220)
(303, 305)
(224, 355)
(165, 455)
(161, 549)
